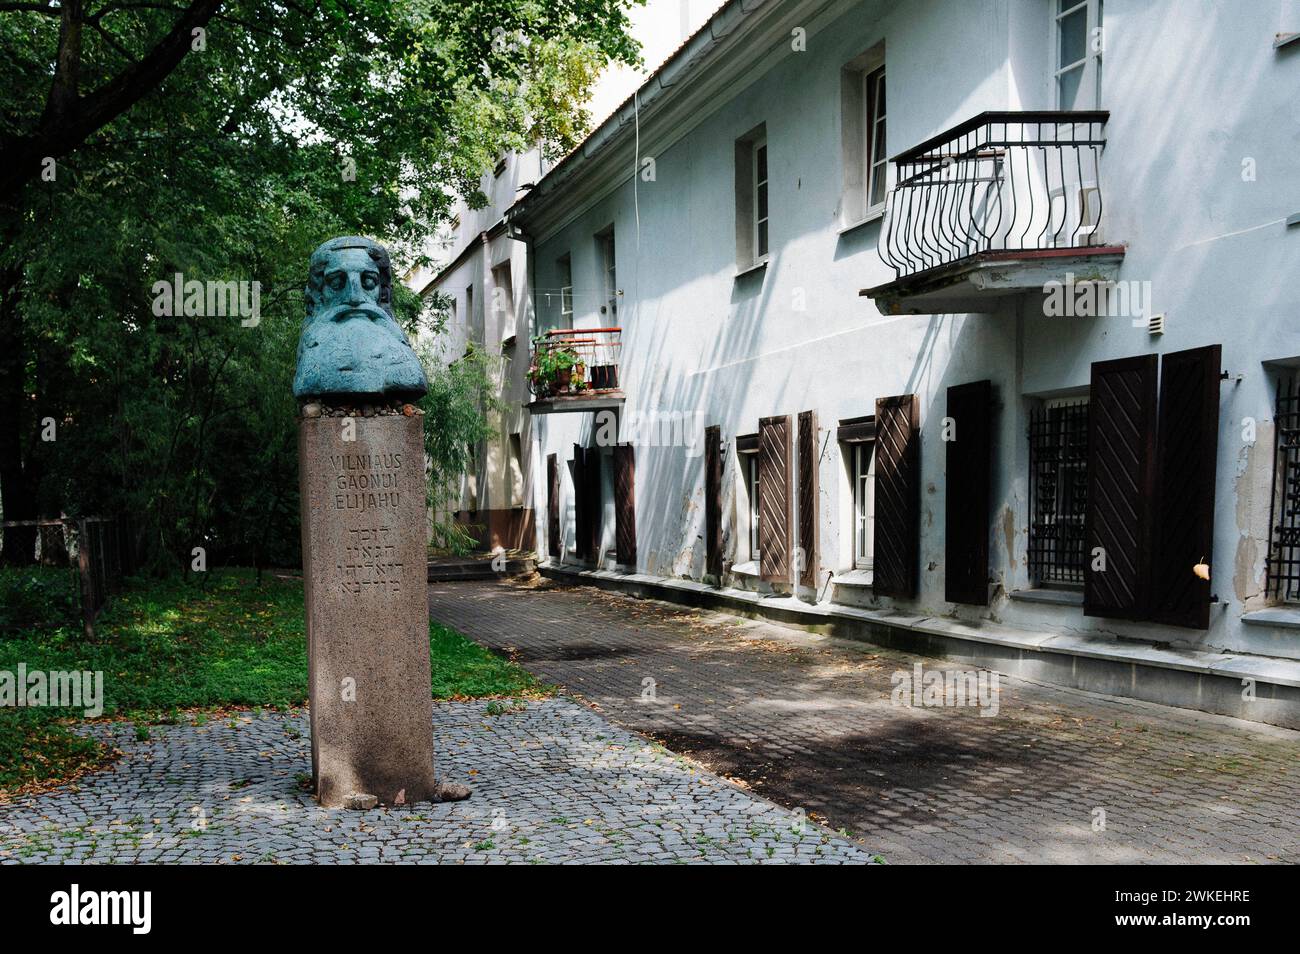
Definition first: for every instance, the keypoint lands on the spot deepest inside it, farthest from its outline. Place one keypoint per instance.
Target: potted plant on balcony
(552, 369)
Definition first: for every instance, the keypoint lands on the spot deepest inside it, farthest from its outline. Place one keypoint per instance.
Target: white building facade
(485, 281)
(973, 322)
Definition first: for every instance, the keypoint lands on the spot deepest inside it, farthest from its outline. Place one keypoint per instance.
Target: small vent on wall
(1156, 325)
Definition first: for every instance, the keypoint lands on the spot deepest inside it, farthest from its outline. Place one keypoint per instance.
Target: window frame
(864, 504)
(752, 481)
(608, 273)
(1052, 571)
(1282, 578)
(1090, 65)
(761, 228)
(515, 470)
(564, 266)
(503, 306)
(873, 122)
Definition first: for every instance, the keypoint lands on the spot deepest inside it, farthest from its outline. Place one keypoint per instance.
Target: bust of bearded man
(351, 345)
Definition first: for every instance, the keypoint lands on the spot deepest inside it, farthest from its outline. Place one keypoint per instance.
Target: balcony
(996, 206)
(576, 370)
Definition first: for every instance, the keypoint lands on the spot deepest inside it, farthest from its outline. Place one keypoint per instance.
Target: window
(1284, 543)
(471, 477)
(1078, 43)
(751, 182)
(564, 270)
(1058, 491)
(751, 485)
(515, 473)
(864, 503)
(503, 298)
(473, 327)
(875, 174)
(760, 199)
(609, 276)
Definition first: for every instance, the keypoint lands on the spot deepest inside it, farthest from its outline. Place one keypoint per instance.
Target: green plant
(171, 649)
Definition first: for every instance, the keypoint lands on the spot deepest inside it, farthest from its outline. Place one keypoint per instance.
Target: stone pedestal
(365, 568)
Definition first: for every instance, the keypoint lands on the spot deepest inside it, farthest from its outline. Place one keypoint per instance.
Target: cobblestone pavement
(553, 782)
(1056, 776)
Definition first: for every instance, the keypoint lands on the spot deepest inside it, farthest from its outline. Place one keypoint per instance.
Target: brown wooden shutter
(581, 536)
(1121, 473)
(625, 504)
(553, 505)
(713, 501)
(966, 494)
(774, 499)
(591, 469)
(808, 530)
(1184, 498)
(898, 490)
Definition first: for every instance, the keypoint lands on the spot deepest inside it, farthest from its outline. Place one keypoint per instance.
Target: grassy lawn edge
(174, 651)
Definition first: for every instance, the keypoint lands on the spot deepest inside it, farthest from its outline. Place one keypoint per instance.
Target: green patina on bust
(351, 345)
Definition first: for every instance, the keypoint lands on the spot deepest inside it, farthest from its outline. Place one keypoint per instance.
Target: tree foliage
(279, 125)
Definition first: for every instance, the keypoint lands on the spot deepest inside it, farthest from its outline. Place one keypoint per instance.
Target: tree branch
(70, 119)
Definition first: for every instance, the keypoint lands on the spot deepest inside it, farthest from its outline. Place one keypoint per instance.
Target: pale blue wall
(1192, 88)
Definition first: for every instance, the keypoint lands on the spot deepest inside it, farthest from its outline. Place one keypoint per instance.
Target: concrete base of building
(1256, 688)
(508, 529)
(448, 569)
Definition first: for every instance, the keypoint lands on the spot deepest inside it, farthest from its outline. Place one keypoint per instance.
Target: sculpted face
(351, 345)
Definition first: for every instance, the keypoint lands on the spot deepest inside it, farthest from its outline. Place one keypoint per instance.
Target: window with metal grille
(1284, 520)
(1058, 491)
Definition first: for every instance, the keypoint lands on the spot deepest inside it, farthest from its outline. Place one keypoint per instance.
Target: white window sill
(875, 215)
(745, 569)
(862, 578)
(1288, 617)
(1042, 594)
(752, 269)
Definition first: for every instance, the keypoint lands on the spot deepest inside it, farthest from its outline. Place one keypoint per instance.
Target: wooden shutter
(1184, 498)
(898, 490)
(808, 530)
(1121, 471)
(591, 488)
(581, 535)
(774, 501)
(966, 494)
(553, 506)
(625, 504)
(713, 501)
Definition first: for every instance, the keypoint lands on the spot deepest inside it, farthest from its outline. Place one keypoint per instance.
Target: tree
(223, 139)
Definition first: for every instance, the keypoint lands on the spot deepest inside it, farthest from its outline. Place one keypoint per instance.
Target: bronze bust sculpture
(351, 345)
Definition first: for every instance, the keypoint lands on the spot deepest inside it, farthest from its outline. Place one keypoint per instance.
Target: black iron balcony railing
(999, 182)
(575, 362)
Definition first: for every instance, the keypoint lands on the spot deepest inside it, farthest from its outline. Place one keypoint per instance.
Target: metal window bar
(1058, 493)
(1284, 516)
(1000, 182)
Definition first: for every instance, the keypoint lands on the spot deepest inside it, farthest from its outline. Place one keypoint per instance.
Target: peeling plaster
(1009, 535)
(1253, 488)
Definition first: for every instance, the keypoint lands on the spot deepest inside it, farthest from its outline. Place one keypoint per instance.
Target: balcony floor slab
(979, 282)
(577, 403)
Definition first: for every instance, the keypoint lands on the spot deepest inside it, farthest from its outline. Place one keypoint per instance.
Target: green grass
(220, 641)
